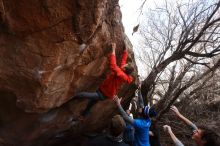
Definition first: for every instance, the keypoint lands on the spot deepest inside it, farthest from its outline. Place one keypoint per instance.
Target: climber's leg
(94, 98)
(87, 95)
(89, 107)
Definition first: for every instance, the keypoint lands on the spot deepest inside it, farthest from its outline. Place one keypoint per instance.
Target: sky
(131, 17)
(131, 14)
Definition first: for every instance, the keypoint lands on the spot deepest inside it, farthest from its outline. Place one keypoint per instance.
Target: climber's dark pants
(94, 97)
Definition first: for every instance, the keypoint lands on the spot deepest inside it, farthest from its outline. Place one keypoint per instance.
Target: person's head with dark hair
(205, 137)
(147, 112)
(128, 68)
(117, 126)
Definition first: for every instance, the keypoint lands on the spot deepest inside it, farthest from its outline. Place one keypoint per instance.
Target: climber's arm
(176, 141)
(183, 118)
(124, 58)
(112, 60)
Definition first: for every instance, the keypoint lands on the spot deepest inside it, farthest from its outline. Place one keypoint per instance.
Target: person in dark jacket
(114, 136)
(128, 135)
(108, 88)
(154, 135)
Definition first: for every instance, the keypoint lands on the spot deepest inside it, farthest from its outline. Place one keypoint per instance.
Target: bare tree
(201, 103)
(180, 41)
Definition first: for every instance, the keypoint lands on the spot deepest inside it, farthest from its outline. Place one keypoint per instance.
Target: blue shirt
(128, 134)
(141, 135)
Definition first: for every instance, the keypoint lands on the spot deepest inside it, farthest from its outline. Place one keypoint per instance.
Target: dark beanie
(149, 112)
(152, 113)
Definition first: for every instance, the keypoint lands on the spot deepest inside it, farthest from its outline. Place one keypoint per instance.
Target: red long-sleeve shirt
(116, 78)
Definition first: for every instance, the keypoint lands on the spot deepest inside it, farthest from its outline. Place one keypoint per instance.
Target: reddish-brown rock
(50, 50)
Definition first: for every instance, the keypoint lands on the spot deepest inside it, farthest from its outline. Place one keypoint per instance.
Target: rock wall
(50, 50)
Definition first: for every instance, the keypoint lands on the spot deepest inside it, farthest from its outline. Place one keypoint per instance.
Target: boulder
(51, 50)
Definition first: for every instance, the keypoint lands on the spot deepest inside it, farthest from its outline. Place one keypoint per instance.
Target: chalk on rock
(82, 47)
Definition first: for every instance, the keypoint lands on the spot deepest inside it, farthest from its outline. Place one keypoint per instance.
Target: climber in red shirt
(112, 83)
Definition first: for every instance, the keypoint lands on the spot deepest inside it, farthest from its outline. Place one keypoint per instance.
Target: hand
(167, 128)
(117, 100)
(113, 47)
(139, 86)
(151, 133)
(175, 110)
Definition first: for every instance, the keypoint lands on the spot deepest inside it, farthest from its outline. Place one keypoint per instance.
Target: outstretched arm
(114, 67)
(124, 58)
(121, 110)
(176, 141)
(184, 119)
(112, 60)
(140, 97)
(113, 48)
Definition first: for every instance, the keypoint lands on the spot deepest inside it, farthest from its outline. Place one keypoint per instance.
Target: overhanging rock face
(50, 50)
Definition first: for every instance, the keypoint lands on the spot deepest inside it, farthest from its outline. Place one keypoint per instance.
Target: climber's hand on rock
(113, 47)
